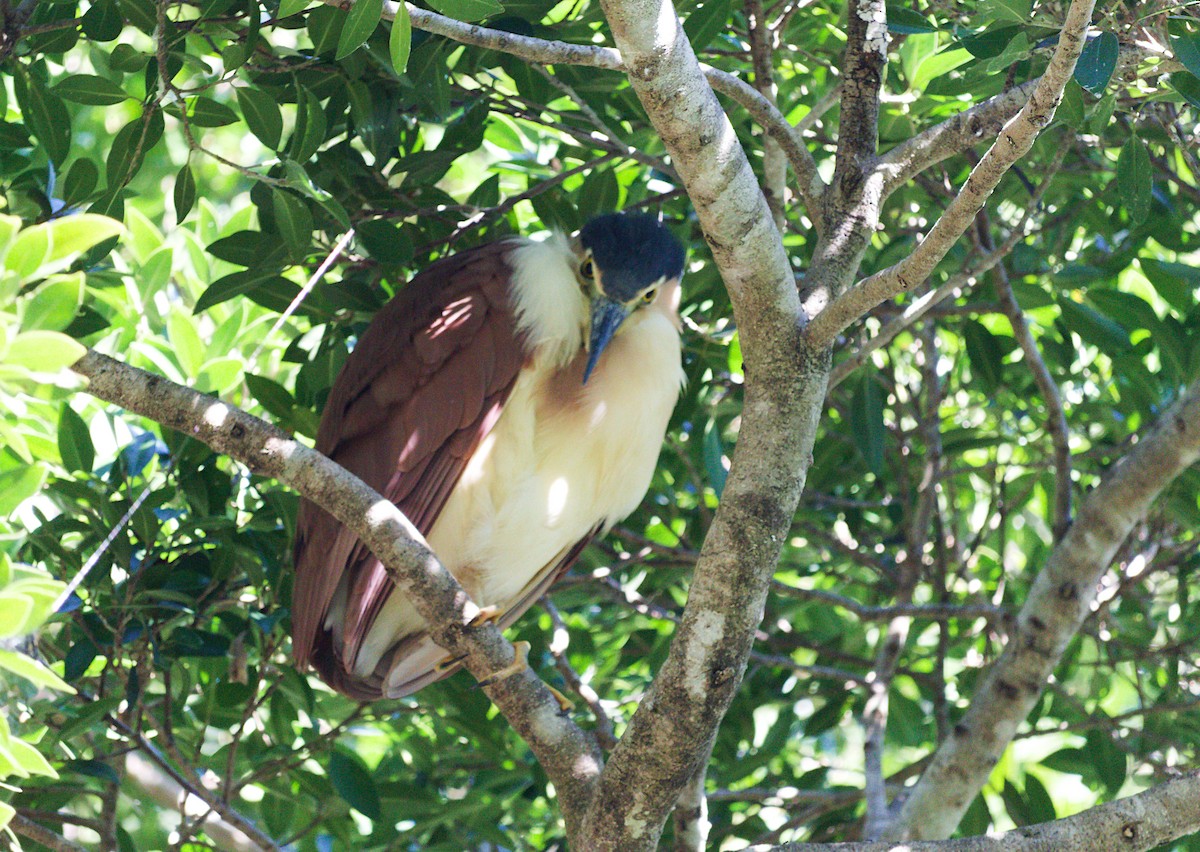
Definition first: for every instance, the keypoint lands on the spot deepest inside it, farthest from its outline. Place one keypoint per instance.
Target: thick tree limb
(1014, 142)
(1058, 603)
(1151, 818)
(169, 795)
(867, 42)
(39, 834)
(952, 136)
(667, 738)
(774, 165)
(570, 756)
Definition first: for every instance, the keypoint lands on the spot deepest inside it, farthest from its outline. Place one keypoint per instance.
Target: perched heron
(511, 401)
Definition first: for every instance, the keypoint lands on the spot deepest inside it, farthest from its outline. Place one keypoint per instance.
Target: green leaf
(15, 612)
(43, 351)
(237, 284)
(985, 354)
(205, 112)
(1014, 51)
(1175, 282)
(1135, 182)
(26, 256)
(1111, 763)
(140, 13)
(707, 20)
(1187, 85)
(354, 784)
(185, 343)
(90, 89)
(46, 115)
(103, 21)
(1093, 327)
(33, 671)
(30, 759)
(184, 194)
(54, 304)
(81, 181)
(902, 21)
(1071, 110)
(72, 235)
(991, 42)
(310, 125)
(271, 395)
(18, 485)
(1102, 113)
(937, 65)
(1009, 10)
(467, 10)
(293, 219)
(75, 441)
(400, 40)
(713, 453)
(601, 193)
(361, 21)
(1041, 806)
(262, 114)
(325, 28)
(130, 146)
(287, 8)
(1097, 63)
(7, 812)
(866, 422)
(1185, 44)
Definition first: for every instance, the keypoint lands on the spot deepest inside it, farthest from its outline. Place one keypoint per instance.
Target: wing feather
(424, 385)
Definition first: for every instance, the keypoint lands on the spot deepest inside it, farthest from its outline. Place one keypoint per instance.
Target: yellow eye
(649, 295)
(587, 269)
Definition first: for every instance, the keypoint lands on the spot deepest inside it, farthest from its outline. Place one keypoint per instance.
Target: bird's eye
(649, 295)
(587, 269)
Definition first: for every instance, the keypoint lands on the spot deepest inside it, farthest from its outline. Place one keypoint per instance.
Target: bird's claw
(519, 664)
(565, 704)
(490, 613)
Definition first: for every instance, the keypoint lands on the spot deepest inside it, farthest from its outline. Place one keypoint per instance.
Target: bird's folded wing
(422, 388)
(418, 661)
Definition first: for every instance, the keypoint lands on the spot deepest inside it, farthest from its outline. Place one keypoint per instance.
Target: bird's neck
(551, 309)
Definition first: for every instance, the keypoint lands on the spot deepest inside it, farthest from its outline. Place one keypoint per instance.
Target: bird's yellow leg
(519, 664)
(490, 613)
(564, 703)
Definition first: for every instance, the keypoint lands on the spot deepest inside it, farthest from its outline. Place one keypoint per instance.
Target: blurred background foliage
(173, 173)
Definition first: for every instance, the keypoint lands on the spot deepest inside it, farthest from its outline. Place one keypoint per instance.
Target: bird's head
(625, 259)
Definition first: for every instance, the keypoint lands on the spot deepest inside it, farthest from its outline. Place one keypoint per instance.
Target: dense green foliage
(238, 141)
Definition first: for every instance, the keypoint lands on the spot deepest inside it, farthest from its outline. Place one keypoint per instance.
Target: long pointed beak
(607, 316)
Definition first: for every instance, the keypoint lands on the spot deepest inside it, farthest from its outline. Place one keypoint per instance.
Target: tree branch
(39, 834)
(1058, 603)
(1148, 819)
(1056, 418)
(954, 135)
(667, 738)
(761, 53)
(570, 756)
(1014, 142)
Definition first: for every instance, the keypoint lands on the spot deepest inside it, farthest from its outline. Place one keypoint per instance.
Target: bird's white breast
(563, 458)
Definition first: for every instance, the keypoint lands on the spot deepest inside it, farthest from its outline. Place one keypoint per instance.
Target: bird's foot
(519, 664)
(490, 613)
(565, 704)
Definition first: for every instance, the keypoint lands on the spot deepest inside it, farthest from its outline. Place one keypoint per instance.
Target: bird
(512, 400)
